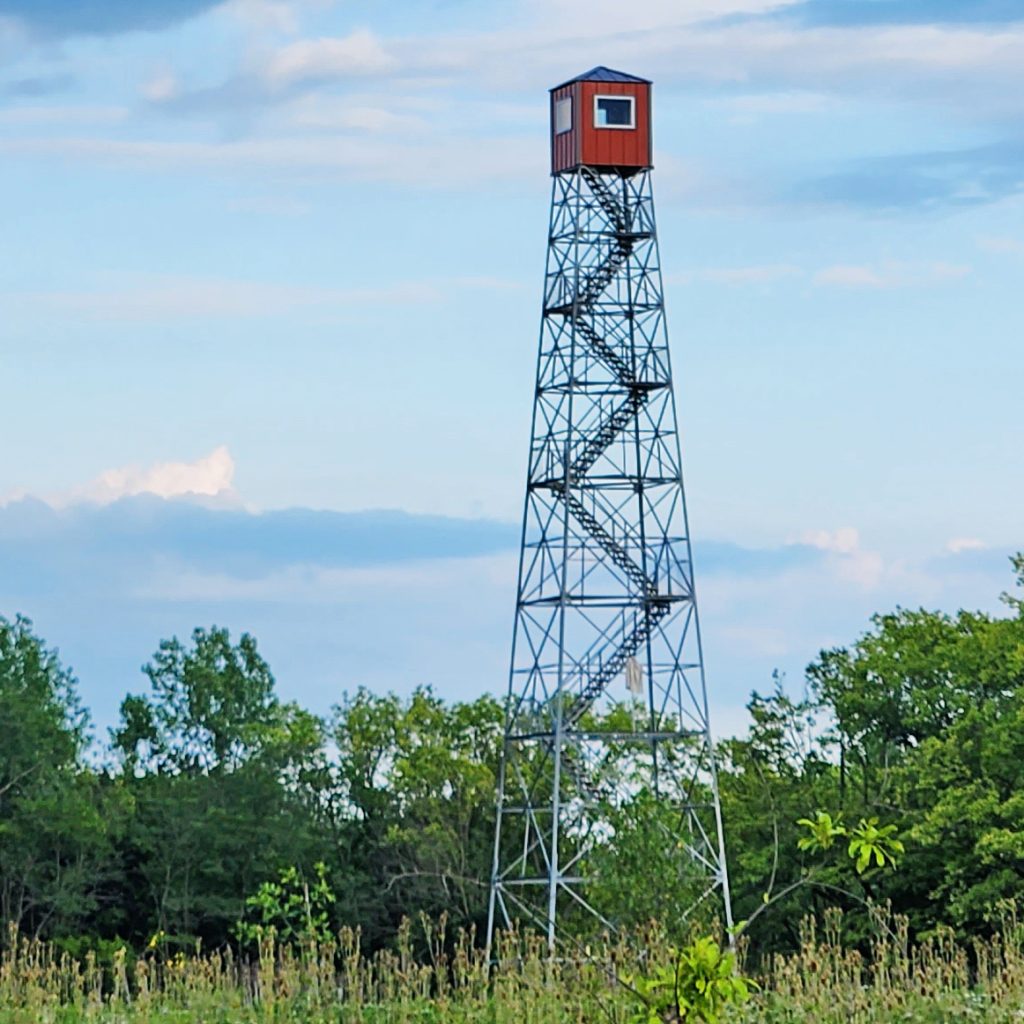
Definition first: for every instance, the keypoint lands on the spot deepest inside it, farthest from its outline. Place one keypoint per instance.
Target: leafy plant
(699, 984)
(824, 831)
(870, 841)
(291, 909)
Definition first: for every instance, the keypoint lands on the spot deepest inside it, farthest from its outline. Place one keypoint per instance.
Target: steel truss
(605, 589)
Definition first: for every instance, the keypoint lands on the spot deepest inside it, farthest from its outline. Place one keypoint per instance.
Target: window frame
(616, 96)
(559, 104)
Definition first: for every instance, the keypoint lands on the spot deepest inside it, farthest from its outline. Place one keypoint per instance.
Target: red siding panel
(565, 147)
(616, 147)
(623, 148)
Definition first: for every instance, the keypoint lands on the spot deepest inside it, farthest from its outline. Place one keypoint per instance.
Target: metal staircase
(601, 348)
(615, 551)
(591, 286)
(598, 682)
(599, 443)
(607, 198)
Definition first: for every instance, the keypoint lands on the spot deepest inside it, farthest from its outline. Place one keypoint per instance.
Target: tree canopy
(214, 797)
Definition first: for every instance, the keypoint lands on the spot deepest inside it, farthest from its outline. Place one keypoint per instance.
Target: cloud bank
(101, 17)
(391, 600)
(427, 93)
(904, 12)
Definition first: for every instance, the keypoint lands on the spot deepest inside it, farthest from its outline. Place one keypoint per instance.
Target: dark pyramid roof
(603, 74)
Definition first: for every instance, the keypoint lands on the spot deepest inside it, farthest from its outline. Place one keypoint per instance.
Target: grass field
(823, 982)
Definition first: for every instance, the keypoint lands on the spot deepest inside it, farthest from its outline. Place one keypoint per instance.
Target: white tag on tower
(634, 677)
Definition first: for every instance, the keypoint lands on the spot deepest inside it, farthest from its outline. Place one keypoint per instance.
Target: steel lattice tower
(606, 611)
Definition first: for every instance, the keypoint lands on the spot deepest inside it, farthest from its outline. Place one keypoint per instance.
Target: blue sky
(285, 255)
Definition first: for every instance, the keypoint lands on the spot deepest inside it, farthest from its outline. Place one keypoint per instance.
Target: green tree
(911, 678)
(57, 821)
(928, 707)
(963, 796)
(643, 842)
(787, 764)
(228, 783)
(419, 776)
(209, 708)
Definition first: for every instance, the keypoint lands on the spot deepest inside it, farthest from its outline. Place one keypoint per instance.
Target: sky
(270, 282)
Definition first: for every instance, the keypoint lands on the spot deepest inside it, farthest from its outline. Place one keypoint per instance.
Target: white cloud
(163, 298)
(333, 113)
(842, 541)
(779, 67)
(440, 161)
(753, 623)
(264, 15)
(208, 476)
(959, 544)
(850, 277)
(38, 114)
(890, 274)
(851, 562)
(966, 68)
(613, 17)
(162, 87)
(782, 67)
(865, 568)
(356, 55)
(211, 476)
(1001, 244)
(393, 625)
(768, 274)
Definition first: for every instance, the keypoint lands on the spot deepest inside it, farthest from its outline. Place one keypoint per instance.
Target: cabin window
(563, 115)
(614, 112)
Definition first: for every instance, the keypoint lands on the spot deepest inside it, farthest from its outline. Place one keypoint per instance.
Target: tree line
(211, 789)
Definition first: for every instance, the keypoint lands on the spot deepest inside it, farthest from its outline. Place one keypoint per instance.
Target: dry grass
(326, 982)
(822, 983)
(927, 983)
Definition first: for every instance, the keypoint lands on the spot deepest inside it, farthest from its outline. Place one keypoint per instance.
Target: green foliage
(419, 778)
(228, 783)
(290, 909)
(57, 818)
(700, 983)
(918, 724)
(211, 783)
(870, 841)
(209, 709)
(643, 843)
(823, 832)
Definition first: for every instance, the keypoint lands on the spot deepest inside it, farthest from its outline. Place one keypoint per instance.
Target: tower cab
(601, 119)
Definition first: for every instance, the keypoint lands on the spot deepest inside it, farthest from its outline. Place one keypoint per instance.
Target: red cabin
(601, 119)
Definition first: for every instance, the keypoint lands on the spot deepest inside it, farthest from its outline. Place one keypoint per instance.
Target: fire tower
(607, 738)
